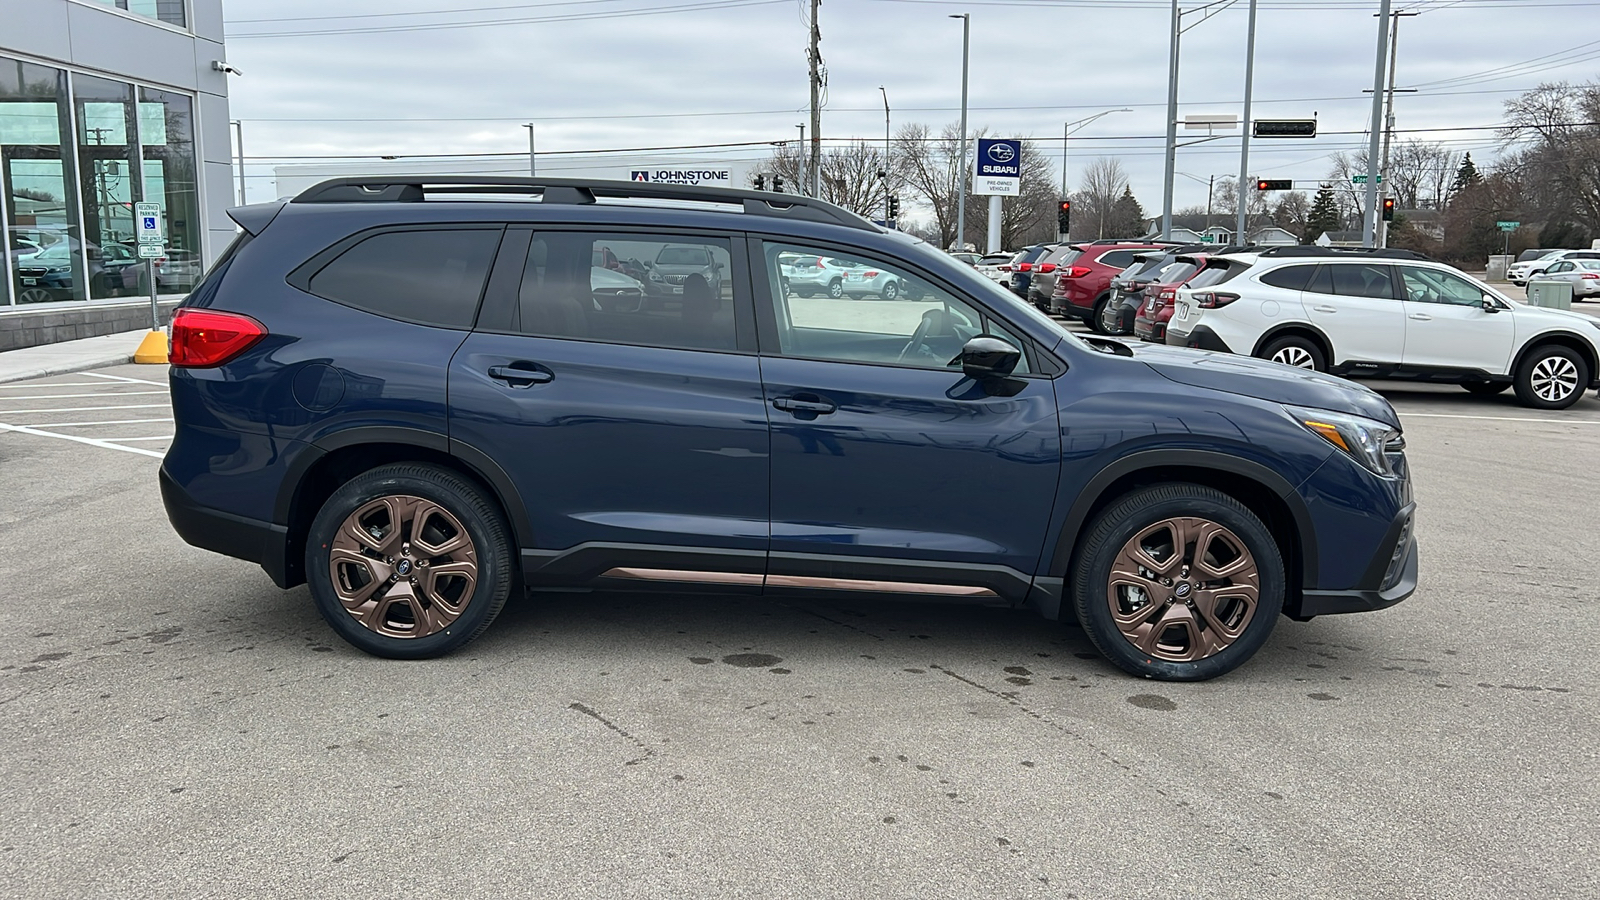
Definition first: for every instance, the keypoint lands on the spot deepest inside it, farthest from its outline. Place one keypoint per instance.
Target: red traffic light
(1066, 205)
(1275, 184)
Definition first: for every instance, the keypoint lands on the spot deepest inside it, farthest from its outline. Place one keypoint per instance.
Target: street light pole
(1244, 147)
(804, 187)
(962, 178)
(532, 169)
(1172, 127)
(1066, 133)
(1369, 233)
(238, 133)
(885, 94)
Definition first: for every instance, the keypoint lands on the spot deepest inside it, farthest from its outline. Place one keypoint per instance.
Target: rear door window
(1362, 280)
(428, 276)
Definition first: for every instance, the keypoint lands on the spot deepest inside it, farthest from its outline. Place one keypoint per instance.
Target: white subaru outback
(1389, 313)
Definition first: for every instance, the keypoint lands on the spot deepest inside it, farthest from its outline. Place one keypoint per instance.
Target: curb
(110, 359)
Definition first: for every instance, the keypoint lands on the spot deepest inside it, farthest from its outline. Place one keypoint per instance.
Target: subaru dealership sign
(999, 169)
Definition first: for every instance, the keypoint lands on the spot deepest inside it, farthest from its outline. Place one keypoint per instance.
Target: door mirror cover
(986, 356)
(1489, 305)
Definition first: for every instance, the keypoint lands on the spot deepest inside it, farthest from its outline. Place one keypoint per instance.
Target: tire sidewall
(489, 538)
(1524, 381)
(1319, 362)
(1126, 518)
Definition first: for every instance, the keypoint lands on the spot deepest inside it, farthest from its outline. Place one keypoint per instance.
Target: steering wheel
(924, 328)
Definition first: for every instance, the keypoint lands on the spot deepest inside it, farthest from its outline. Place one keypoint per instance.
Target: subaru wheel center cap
(403, 568)
(1183, 590)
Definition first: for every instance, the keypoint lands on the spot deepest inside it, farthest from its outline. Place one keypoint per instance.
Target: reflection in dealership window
(854, 309)
(41, 205)
(168, 11)
(628, 288)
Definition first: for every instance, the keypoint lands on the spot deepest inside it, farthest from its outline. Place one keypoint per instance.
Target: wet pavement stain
(50, 657)
(1019, 680)
(1152, 701)
(752, 660)
(701, 660)
(1017, 670)
(781, 671)
(1321, 696)
(162, 635)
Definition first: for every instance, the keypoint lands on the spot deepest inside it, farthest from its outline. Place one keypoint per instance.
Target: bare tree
(1557, 160)
(928, 167)
(850, 175)
(1292, 212)
(1104, 182)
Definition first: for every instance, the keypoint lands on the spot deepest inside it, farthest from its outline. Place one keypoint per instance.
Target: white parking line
(159, 437)
(75, 396)
(106, 422)
(125, 378)
(25, 384)
(13, 412)
(23, 429)
(1501, 419)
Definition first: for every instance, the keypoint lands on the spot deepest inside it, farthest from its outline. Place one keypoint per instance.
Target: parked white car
(996, 267)
(1389, 313)
(1582, 274)
(1518, 273)
(811, 276)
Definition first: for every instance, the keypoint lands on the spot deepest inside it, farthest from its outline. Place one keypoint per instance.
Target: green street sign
(1362, 179)
(1508, 226)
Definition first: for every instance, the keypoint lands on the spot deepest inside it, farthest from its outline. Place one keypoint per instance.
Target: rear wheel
(1178, 582)
(34, 295)
(836, 289)
(1296, 351)
(1551, 377)
(408, 561)
(891, 291)
(1097, 316)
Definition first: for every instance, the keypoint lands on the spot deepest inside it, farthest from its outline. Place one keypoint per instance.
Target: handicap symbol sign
(149, 223)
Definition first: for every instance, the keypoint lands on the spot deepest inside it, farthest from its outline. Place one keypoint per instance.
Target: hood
(1250, 377)
(1545, 317)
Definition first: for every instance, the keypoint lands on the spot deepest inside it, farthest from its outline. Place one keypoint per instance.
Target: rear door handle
(1326, 309)
(517, 376)
(1421, 317)
(795, 405)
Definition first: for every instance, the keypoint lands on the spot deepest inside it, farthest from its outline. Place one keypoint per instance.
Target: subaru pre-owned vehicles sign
(999, 169)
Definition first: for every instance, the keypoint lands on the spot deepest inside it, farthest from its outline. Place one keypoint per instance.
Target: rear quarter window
(1117, 259)
(1290, 278)
(432, 277)
(1213, 275)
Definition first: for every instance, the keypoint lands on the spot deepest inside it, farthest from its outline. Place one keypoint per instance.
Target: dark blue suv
(424, 395)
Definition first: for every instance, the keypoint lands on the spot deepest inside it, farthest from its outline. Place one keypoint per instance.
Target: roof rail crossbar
(414, 188)
(1315, 250)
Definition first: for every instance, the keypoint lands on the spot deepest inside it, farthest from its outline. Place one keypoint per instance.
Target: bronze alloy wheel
(1183, 589)
(403, 566)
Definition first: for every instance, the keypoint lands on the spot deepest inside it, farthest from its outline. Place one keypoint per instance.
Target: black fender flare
(1078, 513)
(1272, 333)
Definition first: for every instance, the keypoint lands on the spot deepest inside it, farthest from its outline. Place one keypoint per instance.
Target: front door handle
(1421, 317)
(1325, 309)
(817, 406)
(517, 376)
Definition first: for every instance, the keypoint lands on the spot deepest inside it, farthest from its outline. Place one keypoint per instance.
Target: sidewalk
(70, 356)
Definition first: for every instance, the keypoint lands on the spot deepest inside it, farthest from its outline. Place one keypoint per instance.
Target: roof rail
(1313, 250)
(577, 191)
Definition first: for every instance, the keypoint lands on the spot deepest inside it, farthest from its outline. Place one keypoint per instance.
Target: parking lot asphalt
(175, 726)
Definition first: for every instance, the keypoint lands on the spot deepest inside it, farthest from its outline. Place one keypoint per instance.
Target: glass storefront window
(38, 172)
(166, 136)
(109, 185)
(168, 11)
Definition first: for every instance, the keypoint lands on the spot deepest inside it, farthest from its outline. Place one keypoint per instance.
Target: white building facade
(104, 104)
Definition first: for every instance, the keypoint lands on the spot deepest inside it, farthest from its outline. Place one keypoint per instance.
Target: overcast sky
(413, 81)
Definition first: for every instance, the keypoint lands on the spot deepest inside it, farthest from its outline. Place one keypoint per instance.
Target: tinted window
(433, 277)
(1214, 274)
(1362, 280)
(658, 292)
(1562, 266)
(1434, 286)
(1061, 254)
(1118, 259)
(1290, 278)
(1321, 281)
(1176, 272)
(923, 326)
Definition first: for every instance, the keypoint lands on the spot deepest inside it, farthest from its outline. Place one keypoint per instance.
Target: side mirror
(986, 357)
(1489, 306)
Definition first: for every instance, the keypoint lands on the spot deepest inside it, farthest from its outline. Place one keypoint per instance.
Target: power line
(697, 6)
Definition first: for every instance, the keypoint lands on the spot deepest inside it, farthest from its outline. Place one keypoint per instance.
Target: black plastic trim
(1328, 603)
(1067, 541)
(1272, 334)
(240, 537)
(1201, 338)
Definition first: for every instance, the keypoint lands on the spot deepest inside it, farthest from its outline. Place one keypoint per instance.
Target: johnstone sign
(701, 177)
(999, 169)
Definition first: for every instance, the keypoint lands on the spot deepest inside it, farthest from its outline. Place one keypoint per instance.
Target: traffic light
(777, 183)
(1388, 209)
(894, 207)
(1275, 184)
(1064, 217)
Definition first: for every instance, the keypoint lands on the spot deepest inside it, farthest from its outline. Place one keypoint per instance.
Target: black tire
(891, 291)
(1143, 509)
(467, 505)
(1551, 377)
(1296, 351)
(1486, 388)
(836, 289)
(1097, 313)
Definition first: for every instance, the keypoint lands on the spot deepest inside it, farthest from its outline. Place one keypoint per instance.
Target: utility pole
(1211, 182)
(1244, 148)
(965, 175)
(1172, 126)
(885, 175)
(238, 134)
(815, 57)
(1369, 233)
(532, 168)
(1388, 123)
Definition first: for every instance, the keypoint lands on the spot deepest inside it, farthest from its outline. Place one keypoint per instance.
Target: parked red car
(1083, 287)
(1151, 322)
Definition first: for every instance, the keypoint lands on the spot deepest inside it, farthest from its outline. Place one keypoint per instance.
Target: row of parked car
(1360, 313)
(45, 273)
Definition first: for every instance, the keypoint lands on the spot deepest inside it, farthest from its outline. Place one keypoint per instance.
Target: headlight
(1364, 440)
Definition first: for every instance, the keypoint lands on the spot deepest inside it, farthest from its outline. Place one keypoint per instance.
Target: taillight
(1213, 299)
(202, 338)
(1076, 271)
(1590, 276)
(1168, 294)
(869, 274)
(1046, 268)
(1005, 268)
(1025, 267)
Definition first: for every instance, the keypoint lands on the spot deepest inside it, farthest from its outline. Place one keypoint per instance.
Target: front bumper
(1391, 577)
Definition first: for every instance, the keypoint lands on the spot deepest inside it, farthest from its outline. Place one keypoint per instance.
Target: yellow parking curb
(153, 349)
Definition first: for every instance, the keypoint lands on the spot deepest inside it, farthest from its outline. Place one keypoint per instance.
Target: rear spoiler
(255, 218)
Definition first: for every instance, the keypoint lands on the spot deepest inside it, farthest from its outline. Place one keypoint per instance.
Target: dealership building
(105, 104)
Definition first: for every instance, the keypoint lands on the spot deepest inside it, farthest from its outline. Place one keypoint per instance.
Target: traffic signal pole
(1370, 232)
(1239, 235)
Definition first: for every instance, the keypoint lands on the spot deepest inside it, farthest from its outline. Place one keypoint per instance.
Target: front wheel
(891, 291)
(836, 289)
(408, 561)
(1297, 352)
(1178, 582)
(1551, 377)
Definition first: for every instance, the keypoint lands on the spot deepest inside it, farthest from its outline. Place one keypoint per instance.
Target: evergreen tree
(1127, 216)
(1466, 176)
(1324, 215)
